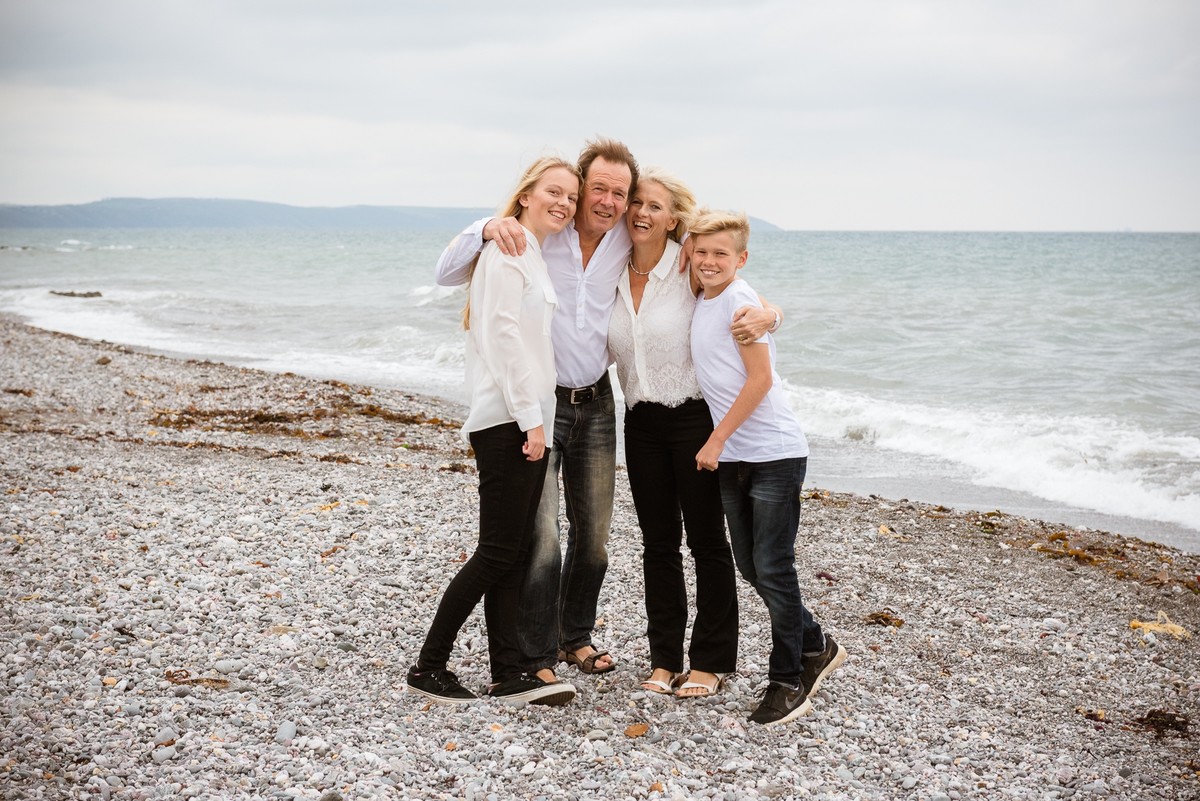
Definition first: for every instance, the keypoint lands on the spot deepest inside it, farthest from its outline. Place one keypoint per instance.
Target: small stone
(286, 732)
(161, 755)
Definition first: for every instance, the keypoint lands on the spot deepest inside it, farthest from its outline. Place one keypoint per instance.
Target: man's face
(605, 195)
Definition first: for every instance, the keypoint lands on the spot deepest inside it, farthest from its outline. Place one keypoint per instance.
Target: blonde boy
(760, 455)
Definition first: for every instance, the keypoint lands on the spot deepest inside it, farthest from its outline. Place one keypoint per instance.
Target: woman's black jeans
(510, 487)
(670, 496)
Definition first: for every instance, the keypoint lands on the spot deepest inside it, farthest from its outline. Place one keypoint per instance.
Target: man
(585, 262)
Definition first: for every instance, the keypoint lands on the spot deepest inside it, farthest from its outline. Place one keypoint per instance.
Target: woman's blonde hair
(683, 202)
(513, 208)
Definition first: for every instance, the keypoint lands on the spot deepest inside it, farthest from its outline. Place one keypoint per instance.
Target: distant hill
(202, 213)
(199, 213)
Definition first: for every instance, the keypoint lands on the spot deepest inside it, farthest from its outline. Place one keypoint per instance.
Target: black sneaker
(780, 704)
(816, 668)
(440, 685)
(527, 687)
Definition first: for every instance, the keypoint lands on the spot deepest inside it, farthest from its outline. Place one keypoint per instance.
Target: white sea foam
(114, 317)
(433, 293)
(1092, 463)
(413, 373)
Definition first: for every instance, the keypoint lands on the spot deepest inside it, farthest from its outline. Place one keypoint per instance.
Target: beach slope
(214, 579)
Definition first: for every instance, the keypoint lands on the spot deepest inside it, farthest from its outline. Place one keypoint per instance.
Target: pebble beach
(214, 579)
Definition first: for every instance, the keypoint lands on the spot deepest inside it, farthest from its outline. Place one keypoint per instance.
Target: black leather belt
(579, 395)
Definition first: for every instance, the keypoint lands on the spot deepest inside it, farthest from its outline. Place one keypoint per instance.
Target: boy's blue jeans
(762, 506)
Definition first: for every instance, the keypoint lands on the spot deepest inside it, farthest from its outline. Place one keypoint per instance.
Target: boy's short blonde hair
(708, 221)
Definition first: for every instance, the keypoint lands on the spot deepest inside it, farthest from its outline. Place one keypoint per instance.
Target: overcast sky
(849, 115)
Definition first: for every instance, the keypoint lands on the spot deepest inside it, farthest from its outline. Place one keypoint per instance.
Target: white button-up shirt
(585, 296)
(510, 359)
(652, 345)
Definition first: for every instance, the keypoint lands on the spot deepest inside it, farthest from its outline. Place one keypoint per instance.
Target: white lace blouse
(652, 346)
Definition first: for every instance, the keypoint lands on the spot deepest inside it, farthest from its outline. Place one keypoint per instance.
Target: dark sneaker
(527, 687)
(816, 668)
(780, 704)
(440, 685)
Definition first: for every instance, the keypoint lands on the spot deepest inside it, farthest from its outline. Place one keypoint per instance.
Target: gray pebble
(163, 754)
(286, 732)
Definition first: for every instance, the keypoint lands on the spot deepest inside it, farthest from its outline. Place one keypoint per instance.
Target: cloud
(814, 115)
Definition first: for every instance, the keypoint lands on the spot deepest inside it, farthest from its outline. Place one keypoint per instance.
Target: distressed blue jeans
(562, 590)
(762, 507)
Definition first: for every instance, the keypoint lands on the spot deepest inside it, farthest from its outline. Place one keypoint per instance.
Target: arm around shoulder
(751, 322)
(454, 265)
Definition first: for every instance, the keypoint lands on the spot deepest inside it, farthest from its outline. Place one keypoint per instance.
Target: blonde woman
(511, 379)
(666, 422)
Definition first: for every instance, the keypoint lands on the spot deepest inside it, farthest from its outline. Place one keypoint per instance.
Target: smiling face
(605, 194)
(716, 260)
(550, 205)
(649, 218)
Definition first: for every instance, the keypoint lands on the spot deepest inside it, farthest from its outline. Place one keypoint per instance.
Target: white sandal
(660, 687)
(709, 689)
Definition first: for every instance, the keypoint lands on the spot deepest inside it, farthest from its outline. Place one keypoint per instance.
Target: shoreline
(843, 467)
(285, 540)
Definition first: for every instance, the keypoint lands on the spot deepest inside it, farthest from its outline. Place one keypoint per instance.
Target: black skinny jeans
(510, 487)
(671, 495)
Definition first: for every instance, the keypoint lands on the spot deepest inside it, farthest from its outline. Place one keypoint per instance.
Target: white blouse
(652, 346)
(510, 359)
(585, 297)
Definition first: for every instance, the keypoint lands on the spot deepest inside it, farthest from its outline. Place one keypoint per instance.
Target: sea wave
(1093, 463)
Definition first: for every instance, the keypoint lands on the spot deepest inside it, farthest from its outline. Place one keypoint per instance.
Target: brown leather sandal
(587, 664)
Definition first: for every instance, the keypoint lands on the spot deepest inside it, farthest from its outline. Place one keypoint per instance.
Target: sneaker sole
(798, 712)
(441, 699)
(833, 665)
(550, 695)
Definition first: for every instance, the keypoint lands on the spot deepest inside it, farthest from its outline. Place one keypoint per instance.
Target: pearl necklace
(636, 271)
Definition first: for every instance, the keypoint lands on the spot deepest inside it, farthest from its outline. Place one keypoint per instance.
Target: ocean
(1050, 375)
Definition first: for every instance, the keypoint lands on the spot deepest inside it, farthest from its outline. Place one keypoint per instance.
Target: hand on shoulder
(507, 233)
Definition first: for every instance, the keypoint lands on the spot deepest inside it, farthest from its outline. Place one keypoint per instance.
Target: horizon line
(779, 228)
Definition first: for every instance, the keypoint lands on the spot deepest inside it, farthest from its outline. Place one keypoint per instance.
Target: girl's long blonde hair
(513, 208)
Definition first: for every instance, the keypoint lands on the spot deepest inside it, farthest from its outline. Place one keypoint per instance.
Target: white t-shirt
(652, 345)
(510, 359)
(772, 430)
